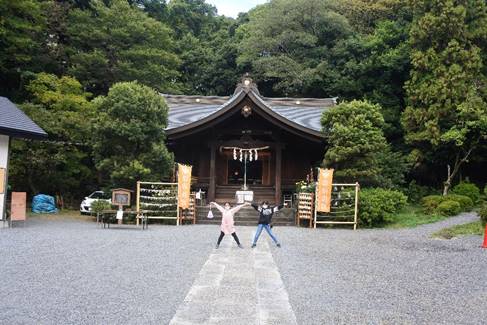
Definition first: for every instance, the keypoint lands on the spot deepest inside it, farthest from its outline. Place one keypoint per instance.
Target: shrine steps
(226, 193)
(247, 216)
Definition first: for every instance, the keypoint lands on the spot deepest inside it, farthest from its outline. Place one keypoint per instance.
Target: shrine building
(267, 144)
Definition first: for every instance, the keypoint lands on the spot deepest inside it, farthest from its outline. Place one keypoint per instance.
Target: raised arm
(255, 206)
(216, 205)
(278, 208)
(235, 209)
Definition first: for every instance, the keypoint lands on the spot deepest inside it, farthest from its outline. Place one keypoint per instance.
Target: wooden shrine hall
(246, 141)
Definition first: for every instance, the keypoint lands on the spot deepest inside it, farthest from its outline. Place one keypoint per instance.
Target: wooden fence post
(355, 218)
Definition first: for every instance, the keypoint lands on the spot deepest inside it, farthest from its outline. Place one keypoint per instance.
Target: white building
(13, 124)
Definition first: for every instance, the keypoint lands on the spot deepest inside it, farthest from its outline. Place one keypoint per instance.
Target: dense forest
(417, 69)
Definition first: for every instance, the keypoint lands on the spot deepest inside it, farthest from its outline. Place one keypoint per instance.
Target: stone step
(275, 222)
(247, 216)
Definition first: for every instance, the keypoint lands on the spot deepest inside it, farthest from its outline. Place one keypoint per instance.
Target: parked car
(85, 207)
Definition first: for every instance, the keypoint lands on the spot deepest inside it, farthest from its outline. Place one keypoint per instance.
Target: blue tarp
(42, 203)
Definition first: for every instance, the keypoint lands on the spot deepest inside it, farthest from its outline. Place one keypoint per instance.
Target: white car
(85, 207)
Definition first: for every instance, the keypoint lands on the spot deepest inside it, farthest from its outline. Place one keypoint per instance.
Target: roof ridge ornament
(247, 84)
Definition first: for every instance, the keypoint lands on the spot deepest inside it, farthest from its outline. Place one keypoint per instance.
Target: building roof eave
(263, 105)
(234, 100)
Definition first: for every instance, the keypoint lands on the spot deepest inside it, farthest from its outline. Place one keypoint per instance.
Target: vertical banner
(323, 190)
(184, 185)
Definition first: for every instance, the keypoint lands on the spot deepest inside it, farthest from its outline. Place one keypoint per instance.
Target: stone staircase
(226, 193)
(247, 216)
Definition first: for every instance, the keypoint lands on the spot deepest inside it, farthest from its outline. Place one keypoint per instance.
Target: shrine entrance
(246, 142)
(236, 171)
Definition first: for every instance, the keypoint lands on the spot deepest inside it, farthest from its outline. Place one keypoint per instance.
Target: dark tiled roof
(306, 112)
(14, 122)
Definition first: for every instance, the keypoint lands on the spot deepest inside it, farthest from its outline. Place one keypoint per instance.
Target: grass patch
(472, 228)
(61, 215)
(412, 216)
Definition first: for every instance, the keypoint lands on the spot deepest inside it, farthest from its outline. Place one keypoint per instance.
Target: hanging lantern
(250, 155)
(234, 153)
(256, 155)
(241, 155)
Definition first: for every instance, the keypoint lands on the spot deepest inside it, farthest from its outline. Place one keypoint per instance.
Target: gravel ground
(71, 272)
(384, 276)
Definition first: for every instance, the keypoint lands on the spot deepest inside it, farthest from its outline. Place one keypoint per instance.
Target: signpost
(120, 197)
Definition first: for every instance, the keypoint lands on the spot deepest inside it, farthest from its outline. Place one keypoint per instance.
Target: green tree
(129, 135)
(357, 146)
(156, 9)
(364, 15)
(62, 164)
(209, 63)
(21, 24)
(195, 17)
(446, 116)
(285, 41)
(119, 42)
(374, 67)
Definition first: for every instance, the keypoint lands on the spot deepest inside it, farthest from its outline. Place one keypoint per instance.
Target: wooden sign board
(18, 206)
(121, 197)
(3, 173)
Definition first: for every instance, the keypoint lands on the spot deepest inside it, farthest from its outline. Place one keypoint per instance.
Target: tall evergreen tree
(129, 135)
(286, 40)
(119, 42)
(21, 26)
(62, 164)
(446, 116)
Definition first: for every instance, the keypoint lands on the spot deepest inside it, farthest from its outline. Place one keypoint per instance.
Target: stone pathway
(237, 286)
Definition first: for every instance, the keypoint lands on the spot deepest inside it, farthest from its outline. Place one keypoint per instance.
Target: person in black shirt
(265, 217)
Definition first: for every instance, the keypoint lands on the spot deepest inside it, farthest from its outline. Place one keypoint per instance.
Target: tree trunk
(456, 168)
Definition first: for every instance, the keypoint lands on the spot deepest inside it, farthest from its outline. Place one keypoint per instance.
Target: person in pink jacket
(228, 226)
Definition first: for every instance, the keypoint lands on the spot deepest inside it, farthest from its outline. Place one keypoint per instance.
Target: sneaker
(253, 245)
(240, 246)
(217, 246)
(278, 245)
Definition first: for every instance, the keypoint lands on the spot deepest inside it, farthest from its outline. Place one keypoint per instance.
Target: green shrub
(416, 192)
(466, 203)
(485, 190)
(483, 214)
(378, 205)
(99, 206)
(468, 189)
(431, 202)
(449, 208)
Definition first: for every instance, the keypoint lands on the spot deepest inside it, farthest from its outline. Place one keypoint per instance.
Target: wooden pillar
(5, 144)
(212, 185)
(278, 173)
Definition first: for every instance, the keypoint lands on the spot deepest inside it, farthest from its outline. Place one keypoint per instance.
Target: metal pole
(245, 171)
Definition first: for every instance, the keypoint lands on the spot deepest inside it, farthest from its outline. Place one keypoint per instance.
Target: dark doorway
(236, 172)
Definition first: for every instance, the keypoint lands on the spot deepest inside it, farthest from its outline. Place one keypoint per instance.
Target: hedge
(449, 208)
(431, 203)
(378, 205)
(468, 189)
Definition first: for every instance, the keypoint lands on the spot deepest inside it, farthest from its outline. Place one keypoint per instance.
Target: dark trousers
(223, 234)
